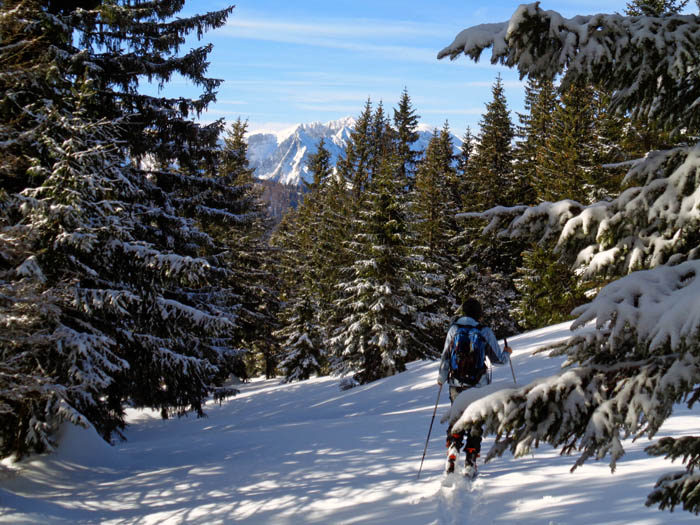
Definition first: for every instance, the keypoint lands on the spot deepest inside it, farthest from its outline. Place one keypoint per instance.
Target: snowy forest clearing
(309, 453)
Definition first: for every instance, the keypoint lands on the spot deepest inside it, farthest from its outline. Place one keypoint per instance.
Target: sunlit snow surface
(310, 453)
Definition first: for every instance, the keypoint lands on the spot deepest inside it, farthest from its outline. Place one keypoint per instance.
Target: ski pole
(511, 362)
(429, 431)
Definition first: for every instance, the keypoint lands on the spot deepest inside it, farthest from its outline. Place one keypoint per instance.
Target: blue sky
(285, 62)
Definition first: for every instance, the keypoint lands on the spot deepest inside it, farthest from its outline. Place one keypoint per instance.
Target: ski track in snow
(309, 453)
(455, 502)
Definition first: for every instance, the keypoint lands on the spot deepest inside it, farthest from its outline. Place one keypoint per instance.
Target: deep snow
(310, 453)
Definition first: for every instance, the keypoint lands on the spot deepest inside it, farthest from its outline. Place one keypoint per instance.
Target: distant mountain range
(283, 156)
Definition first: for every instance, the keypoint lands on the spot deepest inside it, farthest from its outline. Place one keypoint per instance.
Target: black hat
(472, 308)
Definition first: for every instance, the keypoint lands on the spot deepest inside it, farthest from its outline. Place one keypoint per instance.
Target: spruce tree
(301, 339)
(304, 240)
(406, 126)
(355, 166)
(492, 168)
(378, 304)
(639, 358)
(100, 253)
(613, 148)
(486, 266)
(654, 7)
(466, 152)
(433, 205)
(567, 165)
(299, 333)
(320, 167)
(125, 42)
(559, 154)
(57, 359)
(463, 190)
(381, 139)
(534, 133)
(334, 227)
(574, 162)
(234, 154)
(548, 289)
(326, 216)
(564, 148)
(244, 236)
(433, 211)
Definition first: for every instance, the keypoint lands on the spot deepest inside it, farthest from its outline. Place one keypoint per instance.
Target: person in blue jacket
(471, 314)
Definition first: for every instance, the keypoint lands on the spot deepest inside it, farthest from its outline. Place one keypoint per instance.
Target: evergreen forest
(140, 265)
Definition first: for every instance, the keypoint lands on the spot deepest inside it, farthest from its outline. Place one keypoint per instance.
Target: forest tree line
(132, 246)
(379, 253)
(139, 267)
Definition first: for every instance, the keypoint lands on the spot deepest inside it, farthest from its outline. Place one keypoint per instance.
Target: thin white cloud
(359, 36)
(326, 96)
(346, 28)
(318, 79)
(266, 82)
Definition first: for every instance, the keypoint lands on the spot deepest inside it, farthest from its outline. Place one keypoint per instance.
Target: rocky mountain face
(282, 157)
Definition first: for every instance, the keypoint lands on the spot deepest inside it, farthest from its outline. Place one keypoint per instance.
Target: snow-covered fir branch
(645, 61)
(635, 352)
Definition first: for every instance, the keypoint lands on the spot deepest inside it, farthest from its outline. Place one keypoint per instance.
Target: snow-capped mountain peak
(283, 156)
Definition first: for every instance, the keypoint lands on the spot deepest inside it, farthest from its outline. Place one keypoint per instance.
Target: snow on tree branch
(644, 227)
(636, 352)
(646, 61)
(663, 305)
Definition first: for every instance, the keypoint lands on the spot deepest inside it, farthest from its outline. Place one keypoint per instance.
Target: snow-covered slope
(310, 453)
(283, 156)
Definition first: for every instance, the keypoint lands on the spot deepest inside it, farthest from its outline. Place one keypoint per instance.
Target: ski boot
(452, 453)
(470, 469)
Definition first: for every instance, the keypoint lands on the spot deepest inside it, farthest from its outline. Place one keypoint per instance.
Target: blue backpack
(467, 355)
